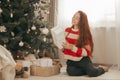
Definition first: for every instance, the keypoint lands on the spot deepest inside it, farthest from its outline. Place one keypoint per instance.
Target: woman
(78, 48)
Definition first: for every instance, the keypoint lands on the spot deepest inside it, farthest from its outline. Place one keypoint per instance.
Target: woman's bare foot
(104, 67)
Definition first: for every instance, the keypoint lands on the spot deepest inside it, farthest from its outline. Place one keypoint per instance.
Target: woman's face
(76, 19)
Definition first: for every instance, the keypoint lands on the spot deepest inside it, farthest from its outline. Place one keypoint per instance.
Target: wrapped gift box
(46, 70)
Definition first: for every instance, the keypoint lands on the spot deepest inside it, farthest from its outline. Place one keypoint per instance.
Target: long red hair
(84, 29)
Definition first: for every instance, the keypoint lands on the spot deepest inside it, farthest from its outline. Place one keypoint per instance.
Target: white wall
(118, 31)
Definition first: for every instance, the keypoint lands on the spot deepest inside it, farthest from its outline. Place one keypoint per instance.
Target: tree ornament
(33, 27)
(11, 15)
(45, 31)
(26, 14)
(44, 39)
(2, 29)
(1, 10)
(21, 43)
(8, 0)
(12, 33)
(18, 56)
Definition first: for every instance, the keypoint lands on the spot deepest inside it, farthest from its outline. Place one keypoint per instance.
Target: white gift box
(47, 67)
(45, 62)
(25, 63)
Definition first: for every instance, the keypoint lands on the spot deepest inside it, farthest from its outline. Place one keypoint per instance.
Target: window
(100, 12)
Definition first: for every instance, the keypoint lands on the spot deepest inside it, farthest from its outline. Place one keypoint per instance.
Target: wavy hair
(84, 29)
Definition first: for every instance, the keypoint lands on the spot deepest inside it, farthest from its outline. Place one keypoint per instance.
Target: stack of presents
(30, 66)
(40, 67)
(43, 67)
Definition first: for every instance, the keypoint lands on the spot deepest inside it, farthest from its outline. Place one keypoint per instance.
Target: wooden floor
(112, 74)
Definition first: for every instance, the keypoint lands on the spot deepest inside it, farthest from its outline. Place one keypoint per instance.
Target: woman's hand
(67, 45)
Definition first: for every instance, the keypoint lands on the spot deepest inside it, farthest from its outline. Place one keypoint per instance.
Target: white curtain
(104, 17)
(101, 11)
(118, 31)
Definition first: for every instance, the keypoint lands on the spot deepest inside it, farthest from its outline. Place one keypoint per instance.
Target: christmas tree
(25, 28)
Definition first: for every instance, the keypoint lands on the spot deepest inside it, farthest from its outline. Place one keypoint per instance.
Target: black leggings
(83, 67)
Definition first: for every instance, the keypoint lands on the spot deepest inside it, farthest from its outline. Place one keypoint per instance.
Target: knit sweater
(77, 53)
